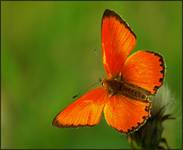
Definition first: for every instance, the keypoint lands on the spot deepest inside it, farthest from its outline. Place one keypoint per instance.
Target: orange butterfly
(124, 95)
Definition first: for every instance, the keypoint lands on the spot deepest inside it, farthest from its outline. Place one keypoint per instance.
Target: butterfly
(124, 95)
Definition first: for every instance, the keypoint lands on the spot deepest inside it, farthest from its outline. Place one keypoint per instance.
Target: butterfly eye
(103, 84)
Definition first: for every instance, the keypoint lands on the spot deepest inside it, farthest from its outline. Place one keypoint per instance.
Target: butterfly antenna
(87, 88)
(97, 55)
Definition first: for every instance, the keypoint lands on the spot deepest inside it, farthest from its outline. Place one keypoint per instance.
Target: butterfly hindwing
(117, 42)
(126, 114)
(144, 69)
(86, 111)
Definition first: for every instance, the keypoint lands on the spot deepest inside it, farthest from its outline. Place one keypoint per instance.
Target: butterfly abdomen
(133, 92)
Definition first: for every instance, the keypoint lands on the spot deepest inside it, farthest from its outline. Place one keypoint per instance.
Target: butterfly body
(124, 94)
(118, 86)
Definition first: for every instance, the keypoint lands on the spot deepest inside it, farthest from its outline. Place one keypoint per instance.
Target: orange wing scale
(125, 114)
(86, 111)
(144, 69)
(117, 42)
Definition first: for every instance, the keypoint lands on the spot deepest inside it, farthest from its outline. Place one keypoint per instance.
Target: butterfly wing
(117, 42)
(144, 69)
(86, 111)
(126, 114)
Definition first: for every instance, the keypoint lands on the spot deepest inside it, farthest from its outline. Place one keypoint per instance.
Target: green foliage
(51, 51)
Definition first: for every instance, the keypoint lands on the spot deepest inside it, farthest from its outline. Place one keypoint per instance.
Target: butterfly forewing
(86, 111)
(117, 42)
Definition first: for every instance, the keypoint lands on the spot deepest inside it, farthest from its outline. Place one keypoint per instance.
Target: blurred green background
(50, 51)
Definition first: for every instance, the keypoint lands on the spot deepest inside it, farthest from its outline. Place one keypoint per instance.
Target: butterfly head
(113, 85)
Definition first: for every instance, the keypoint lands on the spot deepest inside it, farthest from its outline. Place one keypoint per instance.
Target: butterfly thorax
(117, 86)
